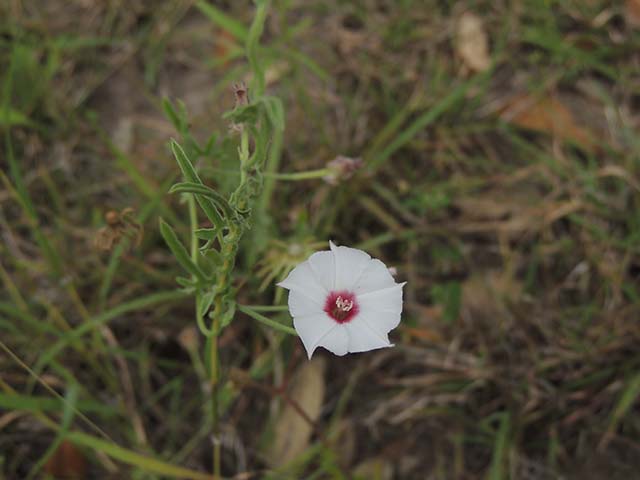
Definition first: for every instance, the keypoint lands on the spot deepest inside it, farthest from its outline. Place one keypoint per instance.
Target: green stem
(244, 155)
(223, 281)
(213, 333)
(193, 220)
(215, 415)
(267, 308)
(296, 176)
(267, 321)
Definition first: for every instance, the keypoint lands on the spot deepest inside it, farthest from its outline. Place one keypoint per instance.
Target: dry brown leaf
(472, 42)
(67, 462)
(549, 115)
(292, 430)
(632, 12)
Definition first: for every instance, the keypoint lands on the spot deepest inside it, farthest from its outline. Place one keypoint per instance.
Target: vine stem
(296, 176)
(214, 378)
(215, 417)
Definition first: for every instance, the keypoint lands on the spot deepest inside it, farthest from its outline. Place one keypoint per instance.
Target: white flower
(343, 300)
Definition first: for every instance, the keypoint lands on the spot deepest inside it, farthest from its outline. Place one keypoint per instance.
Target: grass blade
(224, 21)
(143, 462)
(500, 449)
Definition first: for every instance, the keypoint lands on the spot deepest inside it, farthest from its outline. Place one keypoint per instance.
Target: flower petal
(336, 341)
(382, 309)
(376, 276)
(388, 299)
(350, 263)
(363, 338)
(303, 280)
(300, 305)
(313, 329)
(379, 321)
(323, 266)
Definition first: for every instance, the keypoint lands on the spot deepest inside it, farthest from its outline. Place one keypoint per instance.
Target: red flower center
(341, 306)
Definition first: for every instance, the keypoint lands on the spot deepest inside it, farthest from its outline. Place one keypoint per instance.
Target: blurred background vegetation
(500, 177)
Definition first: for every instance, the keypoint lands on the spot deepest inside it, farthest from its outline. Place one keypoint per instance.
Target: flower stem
(267, 308)
(296, 176)
(267, 321)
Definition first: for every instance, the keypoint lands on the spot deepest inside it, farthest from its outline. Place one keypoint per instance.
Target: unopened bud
(342, 168)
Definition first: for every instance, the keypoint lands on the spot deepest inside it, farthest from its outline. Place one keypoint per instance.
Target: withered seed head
(241, 93)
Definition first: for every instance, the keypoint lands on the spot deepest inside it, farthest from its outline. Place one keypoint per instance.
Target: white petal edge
(313, 329)
(381, 322)
(336, 341)
(387, 299)
(350, 263)
(300, 305)
(375, 276)
(303, 280)
(363, 338)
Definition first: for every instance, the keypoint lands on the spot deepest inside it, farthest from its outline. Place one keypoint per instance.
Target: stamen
(341, 306)
(344, 305)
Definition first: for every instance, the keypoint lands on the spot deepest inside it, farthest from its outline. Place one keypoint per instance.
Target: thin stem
(267, 321)
(278, 176)
(296, 176)
(267, 308)
(244, 155)
(193, 218)
(215, 415)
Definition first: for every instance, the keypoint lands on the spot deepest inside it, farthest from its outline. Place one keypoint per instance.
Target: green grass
(520, 245)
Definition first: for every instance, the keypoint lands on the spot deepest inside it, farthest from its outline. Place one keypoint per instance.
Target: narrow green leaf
(179, 251)
(173, 116)
(191, 176)
(206, 233)
(187, 283)
(200, 189)
(184, 163)
(205, 303)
